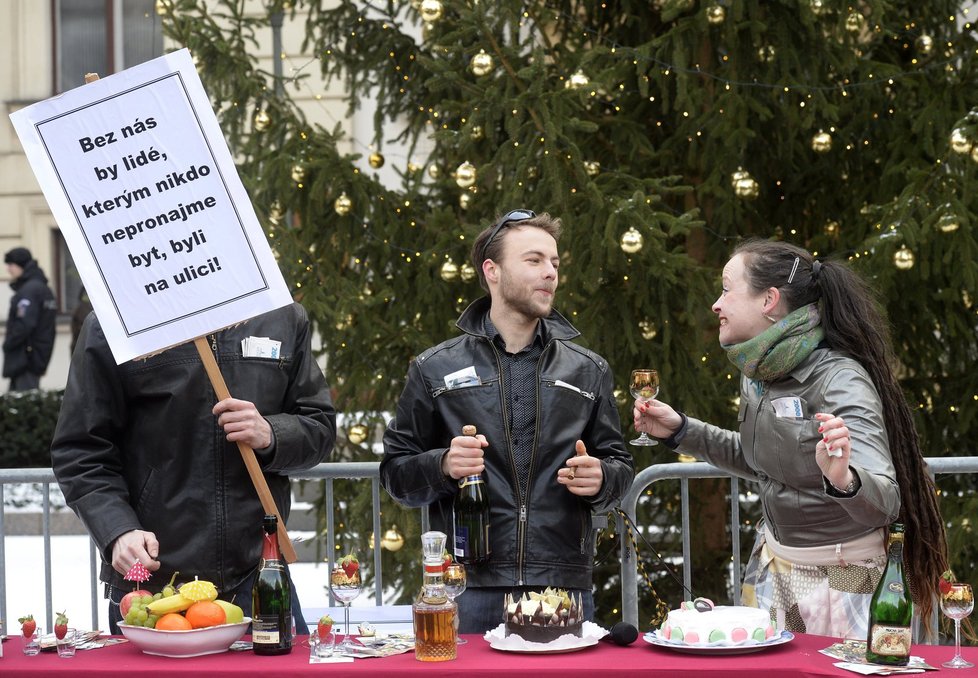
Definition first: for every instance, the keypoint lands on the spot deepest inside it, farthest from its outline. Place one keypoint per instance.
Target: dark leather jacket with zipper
(137, 447)
(544, 538)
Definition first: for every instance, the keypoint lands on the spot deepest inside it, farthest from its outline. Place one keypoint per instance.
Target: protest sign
(139, 177)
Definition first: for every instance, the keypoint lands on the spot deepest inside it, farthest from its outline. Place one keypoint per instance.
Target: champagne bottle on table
(471, 517)
(891, 609)
(271, 597)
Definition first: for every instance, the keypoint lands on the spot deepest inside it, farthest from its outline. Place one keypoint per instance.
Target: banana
(175, 603)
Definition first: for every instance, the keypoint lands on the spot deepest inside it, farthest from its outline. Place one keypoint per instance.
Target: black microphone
(622, 633)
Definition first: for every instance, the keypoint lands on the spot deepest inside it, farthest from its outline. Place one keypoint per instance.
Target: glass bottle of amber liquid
(434, 613)
(891, 609)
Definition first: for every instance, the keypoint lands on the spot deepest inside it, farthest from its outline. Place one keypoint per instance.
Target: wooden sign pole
(247, 454)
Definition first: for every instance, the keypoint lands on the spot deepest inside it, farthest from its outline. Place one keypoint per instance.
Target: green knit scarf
(780, 348)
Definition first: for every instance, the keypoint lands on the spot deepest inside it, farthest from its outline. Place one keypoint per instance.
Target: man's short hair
(489, 243)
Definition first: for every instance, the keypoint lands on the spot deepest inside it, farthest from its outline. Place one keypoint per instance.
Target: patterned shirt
(519, 374)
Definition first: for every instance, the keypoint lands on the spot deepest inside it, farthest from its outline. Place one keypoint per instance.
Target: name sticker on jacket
(789, 406)
(462, 378)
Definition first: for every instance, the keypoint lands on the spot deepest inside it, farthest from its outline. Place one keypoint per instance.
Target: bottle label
(461, 540)
(890, 641)
(895, 587)
(266, 637)
(470, 480)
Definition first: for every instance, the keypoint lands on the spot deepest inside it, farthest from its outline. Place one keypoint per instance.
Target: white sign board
(141, 182)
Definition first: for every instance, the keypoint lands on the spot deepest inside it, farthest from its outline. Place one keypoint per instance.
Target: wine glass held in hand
(454, 586)
(957, 603)
(345, 584)
(644, 386)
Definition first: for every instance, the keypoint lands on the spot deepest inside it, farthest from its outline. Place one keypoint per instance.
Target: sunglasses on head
(509, 218)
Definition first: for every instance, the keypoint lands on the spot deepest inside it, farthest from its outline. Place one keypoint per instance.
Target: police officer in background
(29, 340)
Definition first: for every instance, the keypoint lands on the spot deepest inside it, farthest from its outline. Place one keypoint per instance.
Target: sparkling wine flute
(345, 588)
(957, 604)
(454, 586)
(644, 386)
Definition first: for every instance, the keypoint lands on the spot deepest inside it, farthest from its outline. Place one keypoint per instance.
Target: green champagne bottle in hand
(471, 517)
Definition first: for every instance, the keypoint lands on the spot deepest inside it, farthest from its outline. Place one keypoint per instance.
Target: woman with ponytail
(825, 431)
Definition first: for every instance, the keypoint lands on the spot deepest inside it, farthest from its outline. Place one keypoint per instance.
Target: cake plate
(654, 638)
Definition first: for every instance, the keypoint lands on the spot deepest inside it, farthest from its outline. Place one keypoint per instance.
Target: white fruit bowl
(192, 643)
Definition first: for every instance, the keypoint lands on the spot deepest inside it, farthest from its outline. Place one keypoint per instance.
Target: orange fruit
(173, 622)
(205, 613)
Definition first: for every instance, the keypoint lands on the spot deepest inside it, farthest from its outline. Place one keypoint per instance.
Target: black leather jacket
(136, 446)
(542, 539)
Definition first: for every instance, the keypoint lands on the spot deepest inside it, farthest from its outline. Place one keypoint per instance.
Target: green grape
(130, 616)
(150, 622)
(146, 600)
(141, 615)
(157, 596)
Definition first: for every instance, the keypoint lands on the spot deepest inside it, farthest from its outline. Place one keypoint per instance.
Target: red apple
(127, 599)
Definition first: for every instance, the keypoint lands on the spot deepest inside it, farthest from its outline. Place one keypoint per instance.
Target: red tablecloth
(800, 657)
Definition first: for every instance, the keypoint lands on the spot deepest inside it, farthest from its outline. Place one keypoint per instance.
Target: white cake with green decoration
(699, 623)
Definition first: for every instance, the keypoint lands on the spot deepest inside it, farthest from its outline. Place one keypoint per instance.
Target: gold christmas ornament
(855, 22)
(716, 14)
(162, 7)
(431, 10)
(647, 328)
(631, 241)
(481, 64)
(903, 258)
(577, 80)
(342, 205)
(467, 272)
(766, 53)
(818, 7)
(477, 132)
(298, 173)
(966, 298)
(465, 200)
(832, 228)
(357, 434)
(434, 171)
(392, 540)
(744, 185)
(960, 143)
(924, 45)
(262, 120)
(822, 142)
(449, 271)
(376, 160)
(948, 223)
(592, 167)
(413, 168)
(532, 172)
(465, 175)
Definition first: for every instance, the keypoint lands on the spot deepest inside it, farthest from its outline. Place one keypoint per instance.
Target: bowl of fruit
(185, 624)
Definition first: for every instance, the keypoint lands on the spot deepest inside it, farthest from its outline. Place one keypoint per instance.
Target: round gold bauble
(467, 272)
(431, 10)
(343, 205)
(831, 228)
(465, 175)
(434, 171)
(577, 80)
(477, 132)
(413, 168)
(162, 7)
(448, 271)
(903, 259)
(960, 143)
(855, 22)
(647, 328)
(948, 223)
(592, 167)
(818, 7)
(716, 14)
(822, 142)
(766, 53)
(262, 120)
(924, 45)
(744, 185)
(481, 64)
(376, 160)
(392, 539)
(357, 434)
(298, 173)
(631, 241)
(465, 200)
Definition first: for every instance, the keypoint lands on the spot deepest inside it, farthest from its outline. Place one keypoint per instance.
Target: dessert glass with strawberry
(28, 628)
(325, 638)
(957, 602)
(346, 584)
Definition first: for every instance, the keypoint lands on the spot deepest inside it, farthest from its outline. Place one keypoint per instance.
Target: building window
(64, 281)
(103, 37)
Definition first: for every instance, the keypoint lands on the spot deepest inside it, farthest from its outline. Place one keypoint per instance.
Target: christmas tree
(661, 133)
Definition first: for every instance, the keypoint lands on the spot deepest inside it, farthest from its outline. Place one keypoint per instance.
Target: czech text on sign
(141, 182)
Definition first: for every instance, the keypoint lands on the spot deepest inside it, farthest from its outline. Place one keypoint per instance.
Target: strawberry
(944, 583)
(60, 626)
(350, 564)
(325, 625)
(27, 625)
(446, 559)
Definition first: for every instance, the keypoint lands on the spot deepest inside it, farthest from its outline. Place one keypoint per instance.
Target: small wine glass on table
(454, 586)
(346, 584)
(957, 604)
(644, 386)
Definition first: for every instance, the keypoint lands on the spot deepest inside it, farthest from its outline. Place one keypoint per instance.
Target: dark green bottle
(471, 517)
(271, 597)
(891, 609)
